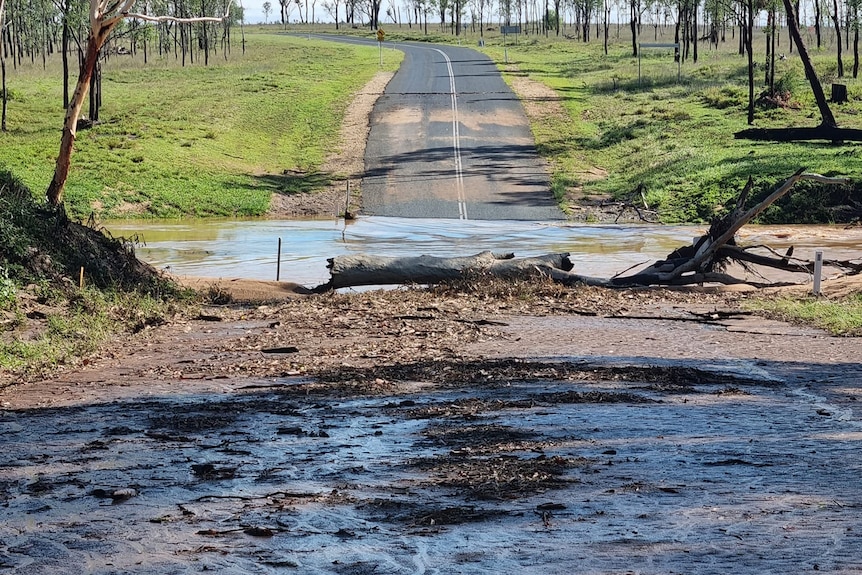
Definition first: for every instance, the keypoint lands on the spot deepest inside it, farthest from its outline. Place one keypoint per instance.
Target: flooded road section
(248, 249)
(502, 467)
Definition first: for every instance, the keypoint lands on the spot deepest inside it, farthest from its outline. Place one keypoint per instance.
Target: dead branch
(827, 133)
(709, 247)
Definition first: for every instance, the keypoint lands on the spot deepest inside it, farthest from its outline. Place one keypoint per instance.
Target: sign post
(506, 30)
(381, 35)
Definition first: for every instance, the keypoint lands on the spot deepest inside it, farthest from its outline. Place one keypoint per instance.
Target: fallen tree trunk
(362, 269)
(828, 133)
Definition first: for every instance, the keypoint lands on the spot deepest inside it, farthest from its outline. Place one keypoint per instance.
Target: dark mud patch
(488, 437)
(500, 373)
(416, 515)
(472, 407)
(500, 477)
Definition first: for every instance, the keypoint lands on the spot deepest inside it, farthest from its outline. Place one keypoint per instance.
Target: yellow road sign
(380, 35)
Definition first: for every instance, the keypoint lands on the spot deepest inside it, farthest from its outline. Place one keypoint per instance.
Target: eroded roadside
(408, 432)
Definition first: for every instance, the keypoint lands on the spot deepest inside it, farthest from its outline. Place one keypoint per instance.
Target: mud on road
(416, 432)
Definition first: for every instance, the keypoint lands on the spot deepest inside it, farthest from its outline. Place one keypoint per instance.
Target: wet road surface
(449, 139)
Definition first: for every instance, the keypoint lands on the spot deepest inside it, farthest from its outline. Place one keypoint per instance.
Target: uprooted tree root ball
(39, 243)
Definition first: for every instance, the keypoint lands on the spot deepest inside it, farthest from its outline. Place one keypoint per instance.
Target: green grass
(676, 138)
(193, 141)
(79, 324)
(839, 317)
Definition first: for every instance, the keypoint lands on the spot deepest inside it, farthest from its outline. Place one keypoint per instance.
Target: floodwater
(249, 248)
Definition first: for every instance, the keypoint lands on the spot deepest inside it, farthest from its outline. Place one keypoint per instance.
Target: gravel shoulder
(346, 163)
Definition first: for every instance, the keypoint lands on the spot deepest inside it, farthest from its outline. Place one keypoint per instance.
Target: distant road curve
(449, 139)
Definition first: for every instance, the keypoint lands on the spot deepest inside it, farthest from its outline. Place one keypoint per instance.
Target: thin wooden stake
(278, 262)
(81, 279)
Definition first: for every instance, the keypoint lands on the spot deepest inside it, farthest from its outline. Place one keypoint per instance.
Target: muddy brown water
(249, 248)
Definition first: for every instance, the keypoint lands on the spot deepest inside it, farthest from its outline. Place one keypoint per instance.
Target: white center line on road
(456, 124)
(456, 140)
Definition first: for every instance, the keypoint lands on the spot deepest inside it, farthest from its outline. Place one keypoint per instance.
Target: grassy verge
(46, 327)
(178, 141)
(838, 317)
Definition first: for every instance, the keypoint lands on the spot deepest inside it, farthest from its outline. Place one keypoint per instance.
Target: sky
(254, 12)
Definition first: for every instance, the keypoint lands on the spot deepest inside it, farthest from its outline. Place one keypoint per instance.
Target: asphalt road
(449, 139)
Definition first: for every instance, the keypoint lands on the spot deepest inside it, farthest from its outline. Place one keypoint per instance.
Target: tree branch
(709, 248)
(160, 19)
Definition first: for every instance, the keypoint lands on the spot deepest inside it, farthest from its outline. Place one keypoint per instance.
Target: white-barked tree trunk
(104, 16)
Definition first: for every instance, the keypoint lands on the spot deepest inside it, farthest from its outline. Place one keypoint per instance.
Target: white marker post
(818, 271)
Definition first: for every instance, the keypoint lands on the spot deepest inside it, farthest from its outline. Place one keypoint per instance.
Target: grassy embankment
(192, 141)
(47, 318)
(676, 138)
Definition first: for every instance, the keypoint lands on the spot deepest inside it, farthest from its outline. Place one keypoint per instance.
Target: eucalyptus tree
(583, 12)
(827, 119)
(685, 30)
(854, 27)
(504, 10)
(557, 8)
(480, 8)
(421, 8)
(715, 16)
(28, 28)
(818, 17)
(836, 20)
(105, 15)
(331, 6)
(772, 10)
(749, 50)
(372, 8)
(457, 7)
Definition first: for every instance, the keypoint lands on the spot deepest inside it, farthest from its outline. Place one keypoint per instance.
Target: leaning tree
(104, 16)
